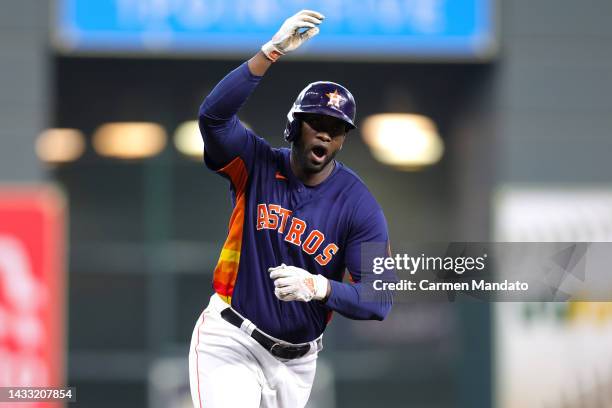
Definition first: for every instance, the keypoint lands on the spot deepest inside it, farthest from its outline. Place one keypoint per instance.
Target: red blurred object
(32, 288)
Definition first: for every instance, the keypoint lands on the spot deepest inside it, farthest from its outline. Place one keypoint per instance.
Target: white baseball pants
(228, 368)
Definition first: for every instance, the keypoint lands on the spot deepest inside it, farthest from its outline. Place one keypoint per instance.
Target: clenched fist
(293, 283)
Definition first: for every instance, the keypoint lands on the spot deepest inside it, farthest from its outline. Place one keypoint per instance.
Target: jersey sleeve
(357, 300)
(225, 137)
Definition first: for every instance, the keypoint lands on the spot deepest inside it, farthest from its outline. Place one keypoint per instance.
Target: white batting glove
(293, 283)
(289, 37)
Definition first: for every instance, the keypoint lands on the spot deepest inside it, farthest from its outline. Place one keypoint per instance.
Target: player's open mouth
(318, 153)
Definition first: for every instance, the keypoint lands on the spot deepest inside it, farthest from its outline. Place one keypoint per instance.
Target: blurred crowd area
(110, 225)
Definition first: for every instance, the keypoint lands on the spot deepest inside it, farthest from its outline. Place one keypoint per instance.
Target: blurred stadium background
(501, 131)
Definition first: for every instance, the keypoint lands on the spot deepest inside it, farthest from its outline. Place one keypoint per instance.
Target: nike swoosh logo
(279, 176)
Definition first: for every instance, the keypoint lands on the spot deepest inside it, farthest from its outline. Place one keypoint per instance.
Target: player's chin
(314, 166)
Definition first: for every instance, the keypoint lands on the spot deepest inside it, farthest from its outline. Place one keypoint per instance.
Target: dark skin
(313, 152)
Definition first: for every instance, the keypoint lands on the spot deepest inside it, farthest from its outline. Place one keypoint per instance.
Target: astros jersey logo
(275, 217)
(334, 99)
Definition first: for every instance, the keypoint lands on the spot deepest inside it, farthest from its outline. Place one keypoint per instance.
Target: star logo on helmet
(334, 99)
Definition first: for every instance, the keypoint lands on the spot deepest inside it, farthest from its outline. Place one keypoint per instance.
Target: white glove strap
(320, 286)
(271, 52)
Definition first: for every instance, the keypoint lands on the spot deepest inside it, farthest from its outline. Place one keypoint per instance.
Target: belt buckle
(274, 351)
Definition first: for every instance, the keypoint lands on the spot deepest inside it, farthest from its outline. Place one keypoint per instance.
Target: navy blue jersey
(277, 219)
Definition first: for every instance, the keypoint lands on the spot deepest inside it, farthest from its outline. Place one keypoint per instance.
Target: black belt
(280, 350)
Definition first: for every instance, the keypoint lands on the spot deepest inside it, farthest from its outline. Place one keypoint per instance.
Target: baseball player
(299, 219)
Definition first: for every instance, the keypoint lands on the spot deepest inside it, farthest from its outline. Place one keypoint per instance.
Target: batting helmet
(323, 98)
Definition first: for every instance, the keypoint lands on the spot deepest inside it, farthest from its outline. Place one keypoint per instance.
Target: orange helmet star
(334, 99)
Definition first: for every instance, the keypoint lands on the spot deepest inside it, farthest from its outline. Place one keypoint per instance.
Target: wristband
(320, 286)
(271, 52)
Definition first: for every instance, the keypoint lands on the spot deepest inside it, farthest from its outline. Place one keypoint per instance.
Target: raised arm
(259, 64)
(224, 136)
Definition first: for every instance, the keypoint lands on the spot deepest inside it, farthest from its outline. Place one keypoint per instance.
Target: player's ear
(342, 143)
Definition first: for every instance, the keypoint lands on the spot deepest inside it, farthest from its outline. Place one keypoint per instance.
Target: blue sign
(353, 29)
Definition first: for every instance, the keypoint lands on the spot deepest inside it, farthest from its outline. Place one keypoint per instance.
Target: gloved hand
(293, 283)
(289, 37)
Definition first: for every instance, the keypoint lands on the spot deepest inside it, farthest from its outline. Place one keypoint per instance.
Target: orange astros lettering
(313, 242)
(285, 216)
(329, 251)
(297, 228)
(262, 216)
(275, 217)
